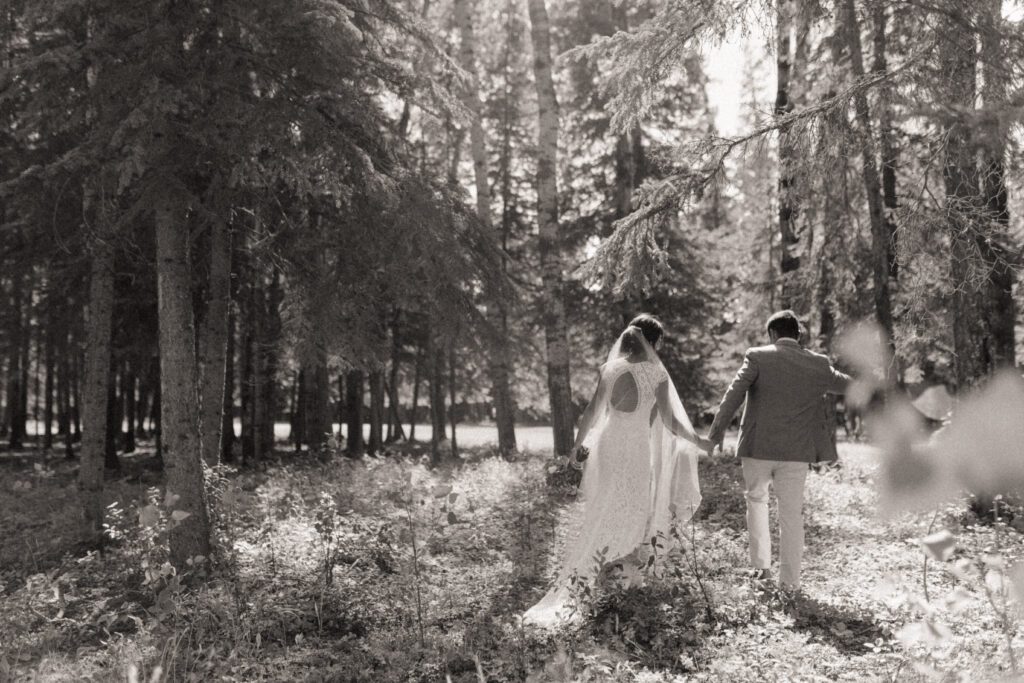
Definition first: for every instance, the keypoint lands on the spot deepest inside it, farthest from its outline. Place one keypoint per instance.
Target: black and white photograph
(511, 341)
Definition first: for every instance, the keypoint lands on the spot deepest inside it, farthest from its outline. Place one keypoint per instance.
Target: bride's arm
(675, 425)
(587, 419)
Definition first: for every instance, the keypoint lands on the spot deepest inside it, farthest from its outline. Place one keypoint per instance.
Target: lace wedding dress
(638, 478)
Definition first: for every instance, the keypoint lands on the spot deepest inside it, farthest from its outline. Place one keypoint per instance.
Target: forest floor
(387, 570)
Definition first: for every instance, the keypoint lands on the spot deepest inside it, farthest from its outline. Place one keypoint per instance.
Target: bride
(641, 474)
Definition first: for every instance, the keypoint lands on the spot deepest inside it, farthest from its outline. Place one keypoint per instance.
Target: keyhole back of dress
(625, 393)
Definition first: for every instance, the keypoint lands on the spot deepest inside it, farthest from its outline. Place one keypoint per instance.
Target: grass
(386, 570)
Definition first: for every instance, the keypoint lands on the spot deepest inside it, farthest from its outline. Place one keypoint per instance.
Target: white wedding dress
(639, 478)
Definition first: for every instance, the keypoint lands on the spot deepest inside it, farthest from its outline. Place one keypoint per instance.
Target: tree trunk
(76, 391)
(886, 137)
(298, 412)
(26, 356)
(453, 411)
(4, 412)
(128, 398)
(880, 232)
(64, 399)
(958, 64)
(213, 342)
(142, 403)
(156, 411)
(316, 408)
(416, 380)
(97, 375)
(499, 356)
(247, 376)
(438, 419)
(376, 444)
(37, 389)
(556, 334)
(113, 428)
(395, 429)
(791, 57)
(354, 409)
(227, 439)
(48, 386)
(15, 386)
(1000, 309)
(269, 362)
(182, 446)
(341, 413)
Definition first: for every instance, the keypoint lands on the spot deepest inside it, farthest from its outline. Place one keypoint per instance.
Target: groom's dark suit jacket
(785, 418)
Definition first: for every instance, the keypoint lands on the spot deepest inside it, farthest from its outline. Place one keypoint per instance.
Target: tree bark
(213, 342)
(128, 398)
(958, 63)
(48, 385)
(438, 420)
(556, 333)
(416, 381)
(247, 377)
(269, 346)
(354, 408)
(182, 445)
(788, 261)
(142, 403)
(298, 411)
(156, 411)
(452, 412)
(341, 412)
(316, 408)
(64, 400)
(395, 429)
(376, 444)
(227, 439)
(499, 358)
(97, 374)
(76, 391)
(15, 385)
(880, 232)
(1000, 308)
(113, 428)
(886, 137)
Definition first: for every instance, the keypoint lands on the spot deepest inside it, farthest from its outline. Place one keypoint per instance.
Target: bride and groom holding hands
(641, 474)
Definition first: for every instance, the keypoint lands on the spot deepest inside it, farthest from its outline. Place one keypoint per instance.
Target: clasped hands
(708, 446)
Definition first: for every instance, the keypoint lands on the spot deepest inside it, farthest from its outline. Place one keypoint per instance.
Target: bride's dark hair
(632, 341)
(650, 327)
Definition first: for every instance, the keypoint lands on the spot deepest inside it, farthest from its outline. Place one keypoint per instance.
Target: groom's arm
(838, 381)
(733, 398)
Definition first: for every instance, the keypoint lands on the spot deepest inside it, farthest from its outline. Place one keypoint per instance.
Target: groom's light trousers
(787, 478)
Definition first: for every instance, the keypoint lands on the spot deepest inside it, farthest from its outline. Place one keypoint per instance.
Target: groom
(784, 428)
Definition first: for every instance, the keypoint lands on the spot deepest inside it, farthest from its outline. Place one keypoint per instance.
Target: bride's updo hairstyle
(632, 342)
(650, 327)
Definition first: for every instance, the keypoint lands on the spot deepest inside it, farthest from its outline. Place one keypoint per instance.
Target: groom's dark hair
(784, 324)
(650, 327)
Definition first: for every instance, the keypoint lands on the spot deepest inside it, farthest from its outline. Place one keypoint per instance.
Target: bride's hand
(705, 444)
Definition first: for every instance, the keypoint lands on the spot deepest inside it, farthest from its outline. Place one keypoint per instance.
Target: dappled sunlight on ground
(385, 569)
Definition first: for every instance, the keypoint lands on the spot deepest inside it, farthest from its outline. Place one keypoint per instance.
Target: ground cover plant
(385, 569)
